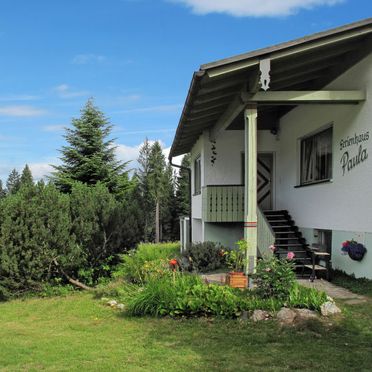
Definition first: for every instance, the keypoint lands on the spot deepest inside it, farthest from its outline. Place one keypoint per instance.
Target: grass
(78, 333)
(362, 286)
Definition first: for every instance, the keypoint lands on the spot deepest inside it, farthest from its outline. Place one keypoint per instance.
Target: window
(197, 176)
(316, 157)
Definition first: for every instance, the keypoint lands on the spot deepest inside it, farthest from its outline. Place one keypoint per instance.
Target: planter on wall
(237, 280)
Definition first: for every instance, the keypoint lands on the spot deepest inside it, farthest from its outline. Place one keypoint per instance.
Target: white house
(281, 146)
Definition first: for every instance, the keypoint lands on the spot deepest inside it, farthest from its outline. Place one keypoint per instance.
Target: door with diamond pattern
(265, 165)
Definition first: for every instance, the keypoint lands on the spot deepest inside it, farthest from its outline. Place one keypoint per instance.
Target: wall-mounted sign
(354, 151)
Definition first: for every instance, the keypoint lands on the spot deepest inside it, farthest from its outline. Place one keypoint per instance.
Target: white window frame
(301, 181)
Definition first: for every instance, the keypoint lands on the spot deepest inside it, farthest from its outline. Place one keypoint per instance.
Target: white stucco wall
(345, 203)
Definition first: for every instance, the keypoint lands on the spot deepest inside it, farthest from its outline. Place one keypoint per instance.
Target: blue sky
(135, 57)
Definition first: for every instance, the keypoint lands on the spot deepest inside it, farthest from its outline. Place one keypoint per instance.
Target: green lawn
(79, 333)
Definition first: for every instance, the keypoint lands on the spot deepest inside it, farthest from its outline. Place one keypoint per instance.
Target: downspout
(188, 170)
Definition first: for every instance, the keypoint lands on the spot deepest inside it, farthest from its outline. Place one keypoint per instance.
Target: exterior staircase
(288, 238)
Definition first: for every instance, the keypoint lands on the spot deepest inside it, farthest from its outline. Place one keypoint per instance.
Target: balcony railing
(226, 204)
(223, 203)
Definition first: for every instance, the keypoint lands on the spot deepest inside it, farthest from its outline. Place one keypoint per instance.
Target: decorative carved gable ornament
(265, 67)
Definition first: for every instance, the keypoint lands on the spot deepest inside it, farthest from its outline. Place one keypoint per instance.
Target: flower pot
(237, 280)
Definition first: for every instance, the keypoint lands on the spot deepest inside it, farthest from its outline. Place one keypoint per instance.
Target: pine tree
(2, 190)
(157, 182)
(26, 177)
(146, 198)
(183, 193)
(90, 156)
(13, 182)
(169, 225)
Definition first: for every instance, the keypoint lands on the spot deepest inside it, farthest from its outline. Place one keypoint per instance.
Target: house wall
(343, 205)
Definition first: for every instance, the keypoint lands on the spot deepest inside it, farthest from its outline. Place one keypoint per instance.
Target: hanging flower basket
(355, 250)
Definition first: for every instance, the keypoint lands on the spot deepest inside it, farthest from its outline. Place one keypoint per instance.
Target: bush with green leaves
(307, 298)
(204, 257)
(185, 295)
(274, 278)
(148, 259)
(35, 231)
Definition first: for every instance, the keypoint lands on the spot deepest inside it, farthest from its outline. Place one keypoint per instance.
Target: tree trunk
(71, 280)
(157, 222)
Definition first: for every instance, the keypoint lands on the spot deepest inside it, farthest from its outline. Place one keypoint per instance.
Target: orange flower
(173, 262)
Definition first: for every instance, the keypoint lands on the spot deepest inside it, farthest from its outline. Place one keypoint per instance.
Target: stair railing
(265, 234)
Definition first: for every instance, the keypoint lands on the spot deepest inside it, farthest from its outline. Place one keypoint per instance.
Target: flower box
(237, 280)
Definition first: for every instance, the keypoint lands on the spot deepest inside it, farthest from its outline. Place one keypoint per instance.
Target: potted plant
(235, 261)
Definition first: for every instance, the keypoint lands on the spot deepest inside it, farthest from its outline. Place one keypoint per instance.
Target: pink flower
(272, 248)
(290, 256)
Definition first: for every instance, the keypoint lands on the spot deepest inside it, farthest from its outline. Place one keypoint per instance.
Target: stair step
(271, 212)
(277, 221)
(293, 238)
(281, 226)
(289, 232)
(316, 267)
(289, 245)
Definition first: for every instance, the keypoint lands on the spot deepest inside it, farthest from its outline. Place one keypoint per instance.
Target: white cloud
(65, 91)
(253, 8)
(41, 170)
(54, 128)
(21, 111)
(88, 58)
(18, 97)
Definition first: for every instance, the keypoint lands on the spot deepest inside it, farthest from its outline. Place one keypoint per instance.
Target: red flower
(346, 243)
(173, 262)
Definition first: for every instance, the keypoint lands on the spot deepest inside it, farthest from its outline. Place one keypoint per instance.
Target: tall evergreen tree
(13, 182)
(26, 177)
(2, 190)
(169, 226)
(90, 155)
(157, 182)
(182, 192)
(146, 198)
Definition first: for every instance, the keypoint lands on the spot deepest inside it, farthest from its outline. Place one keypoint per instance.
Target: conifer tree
(182, 192)
(157, 182)
(89, 156)
(13, 182)
(26, 177)
(2, 190)
(146, 198)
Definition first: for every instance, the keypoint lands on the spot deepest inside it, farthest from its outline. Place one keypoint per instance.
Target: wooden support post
(250, 191)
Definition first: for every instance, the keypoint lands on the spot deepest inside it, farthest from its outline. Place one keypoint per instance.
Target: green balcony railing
(223, 203)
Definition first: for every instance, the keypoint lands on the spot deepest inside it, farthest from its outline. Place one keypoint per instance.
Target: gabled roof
(308, 63)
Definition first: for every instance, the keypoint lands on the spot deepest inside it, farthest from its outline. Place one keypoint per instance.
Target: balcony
(223, 203)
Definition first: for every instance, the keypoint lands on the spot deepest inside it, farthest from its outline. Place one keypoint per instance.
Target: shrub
(203, 257)
(185, 295)
(138, 265)
(275, 278)
(308, 298)
(34, 230)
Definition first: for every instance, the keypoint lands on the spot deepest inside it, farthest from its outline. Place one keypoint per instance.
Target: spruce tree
(13, 182)
(157, 182)
(89, 156)
(2, 190)
(182, 192)
(26, 177)
(146, 198)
